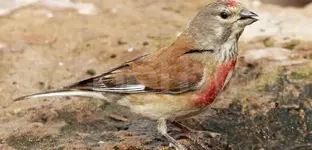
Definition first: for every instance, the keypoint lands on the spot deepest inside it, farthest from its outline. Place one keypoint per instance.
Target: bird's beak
(248, 16)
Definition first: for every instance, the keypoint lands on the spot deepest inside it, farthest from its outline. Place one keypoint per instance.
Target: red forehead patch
(231, 3)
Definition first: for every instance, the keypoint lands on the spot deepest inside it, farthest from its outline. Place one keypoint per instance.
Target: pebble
(130, 49)
(16, 111)
(114, 10)
(61, 64)
(50, 15)
(178, 34)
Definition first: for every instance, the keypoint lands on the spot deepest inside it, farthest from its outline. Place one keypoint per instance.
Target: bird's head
(220, 22)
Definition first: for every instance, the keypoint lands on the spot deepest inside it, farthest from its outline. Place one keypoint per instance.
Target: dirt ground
(267, 105)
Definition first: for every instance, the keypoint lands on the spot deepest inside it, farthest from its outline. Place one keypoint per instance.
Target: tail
(64, 92)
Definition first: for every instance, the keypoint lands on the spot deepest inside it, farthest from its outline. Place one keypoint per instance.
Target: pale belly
(156, 106)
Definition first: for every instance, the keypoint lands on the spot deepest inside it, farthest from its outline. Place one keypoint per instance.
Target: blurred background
(47, 44)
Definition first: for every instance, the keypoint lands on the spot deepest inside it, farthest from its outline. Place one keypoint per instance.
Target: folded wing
(170, 70)
(145, 75)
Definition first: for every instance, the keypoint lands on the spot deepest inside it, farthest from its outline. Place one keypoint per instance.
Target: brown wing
(171, 70)
(167, 71)
(166, 76)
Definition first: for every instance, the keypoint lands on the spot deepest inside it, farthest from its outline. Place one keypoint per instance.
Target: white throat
(227, 51)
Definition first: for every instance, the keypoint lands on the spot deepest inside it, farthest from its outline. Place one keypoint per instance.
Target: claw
(194, 135)
(178, 147)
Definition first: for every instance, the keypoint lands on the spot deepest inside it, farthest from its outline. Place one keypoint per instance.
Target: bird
(178, 81)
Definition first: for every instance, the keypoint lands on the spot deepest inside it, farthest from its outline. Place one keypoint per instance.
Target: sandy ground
(266, 106)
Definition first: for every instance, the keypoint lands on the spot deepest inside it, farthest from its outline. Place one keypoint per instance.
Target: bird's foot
(174, 143)
(198, 137)
(162, 128)
(196, 134)
(177, 146)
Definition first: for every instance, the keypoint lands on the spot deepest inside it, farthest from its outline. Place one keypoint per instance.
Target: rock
(277, 22)
(287, 2)
(278, 56)
(306, 92)
(275, 54)
(308, 115)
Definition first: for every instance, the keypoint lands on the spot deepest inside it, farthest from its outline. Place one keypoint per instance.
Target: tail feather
(62, 93)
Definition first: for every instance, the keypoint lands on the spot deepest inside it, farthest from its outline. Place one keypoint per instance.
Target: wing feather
(170, 70)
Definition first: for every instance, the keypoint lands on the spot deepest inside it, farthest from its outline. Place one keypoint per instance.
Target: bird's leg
(186, 130)
(162, 128)
(190, 132)
(195, 135)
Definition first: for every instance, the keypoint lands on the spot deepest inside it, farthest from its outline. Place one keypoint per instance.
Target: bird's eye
(224, 15)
